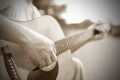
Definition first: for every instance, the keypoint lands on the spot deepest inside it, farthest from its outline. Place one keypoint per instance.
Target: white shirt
(20, 10)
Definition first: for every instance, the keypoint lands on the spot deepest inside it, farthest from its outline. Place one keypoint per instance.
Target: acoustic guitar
(65, 68)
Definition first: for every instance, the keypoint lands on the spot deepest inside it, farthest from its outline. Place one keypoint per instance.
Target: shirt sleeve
(5, 3)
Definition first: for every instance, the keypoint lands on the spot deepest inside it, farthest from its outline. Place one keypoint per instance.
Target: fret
(68, 42)
(57, 46)
(73, 41)
(81, 37)
(62, 43)
(77, 39)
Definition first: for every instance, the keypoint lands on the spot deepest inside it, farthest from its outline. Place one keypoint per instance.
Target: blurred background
(101, 59)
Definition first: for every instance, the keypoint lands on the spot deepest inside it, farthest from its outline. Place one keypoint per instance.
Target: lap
(79, 69)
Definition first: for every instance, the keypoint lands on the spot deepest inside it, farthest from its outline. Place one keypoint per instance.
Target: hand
(100, 30)
(42, 51)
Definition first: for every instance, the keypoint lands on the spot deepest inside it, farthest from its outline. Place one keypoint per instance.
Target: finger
(48, 60)
(50, 67)
(107, 27)
(53, 56)
(41, 61)
(93, 25)
(99, 36)
(42, 64)
(54, 52)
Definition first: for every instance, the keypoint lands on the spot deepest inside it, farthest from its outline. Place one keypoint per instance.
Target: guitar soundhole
(38, 74)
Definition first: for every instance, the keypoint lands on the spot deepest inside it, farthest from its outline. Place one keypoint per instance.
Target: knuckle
(42, 64)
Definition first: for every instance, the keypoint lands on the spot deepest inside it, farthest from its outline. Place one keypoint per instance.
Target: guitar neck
(73, 41)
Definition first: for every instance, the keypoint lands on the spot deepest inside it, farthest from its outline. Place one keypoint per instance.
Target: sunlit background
(80, 10)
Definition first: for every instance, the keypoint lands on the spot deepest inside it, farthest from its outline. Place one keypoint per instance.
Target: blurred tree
(48, 7)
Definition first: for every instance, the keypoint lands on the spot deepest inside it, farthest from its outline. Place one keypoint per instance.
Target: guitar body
(42, 75)
(47, 26)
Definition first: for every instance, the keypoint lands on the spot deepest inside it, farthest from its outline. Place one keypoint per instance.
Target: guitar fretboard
(73, 41)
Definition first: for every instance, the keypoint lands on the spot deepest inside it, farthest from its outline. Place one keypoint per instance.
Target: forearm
(12, 31)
